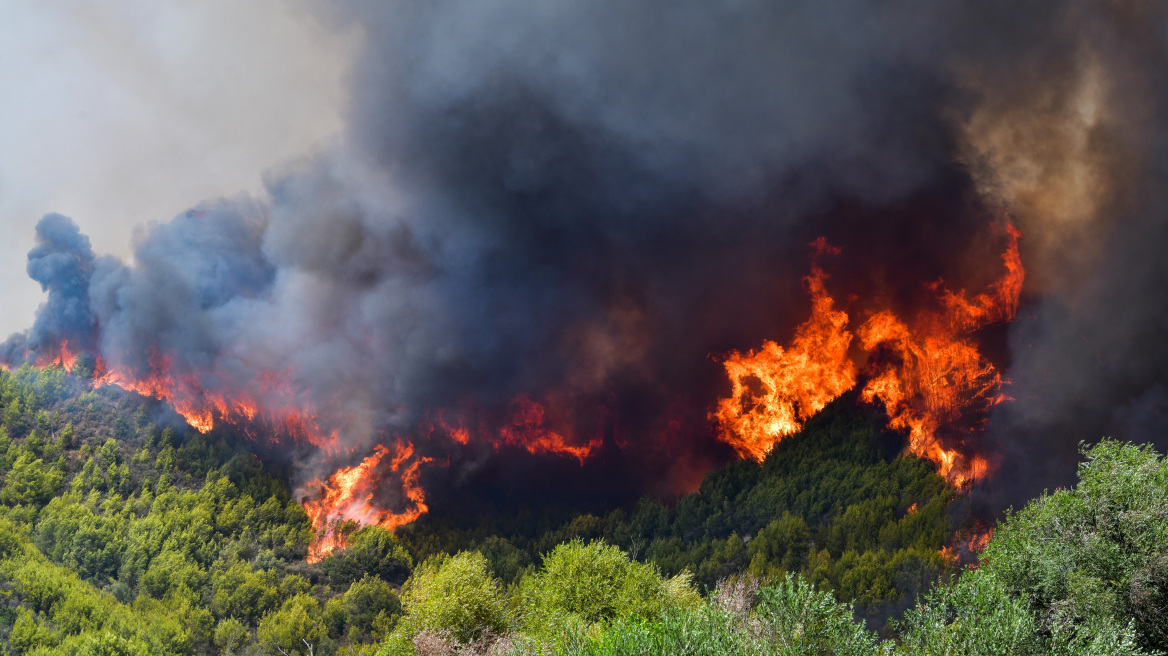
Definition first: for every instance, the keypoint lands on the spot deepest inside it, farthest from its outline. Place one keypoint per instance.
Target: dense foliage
(1077, 572)
(1095, 557)
(838, 503)
(126, 537)
(118, 536)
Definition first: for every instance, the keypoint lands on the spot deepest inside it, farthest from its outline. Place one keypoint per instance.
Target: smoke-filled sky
(583, 201)
(126, 112)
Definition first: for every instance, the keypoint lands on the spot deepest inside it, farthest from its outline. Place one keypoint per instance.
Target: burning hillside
(926, 372)
(538, 226)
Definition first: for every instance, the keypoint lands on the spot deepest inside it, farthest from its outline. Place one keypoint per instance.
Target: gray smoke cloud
(582, 201)
(62, 262)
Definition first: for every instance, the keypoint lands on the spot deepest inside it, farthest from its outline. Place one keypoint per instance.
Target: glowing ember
(526, 429)
(979, 541)
(775, 390)
(928, 373)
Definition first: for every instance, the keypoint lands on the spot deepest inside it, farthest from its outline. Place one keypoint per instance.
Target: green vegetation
(118, 537)
(838, 504)
(1077, 572)
(122, 538)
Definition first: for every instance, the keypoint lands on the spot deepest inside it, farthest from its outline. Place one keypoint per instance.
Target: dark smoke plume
(62, 262)
(581, 202)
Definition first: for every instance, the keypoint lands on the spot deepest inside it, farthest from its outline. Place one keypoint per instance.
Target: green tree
(84, 366)
(372, 550)
(780, 547)
(14, 417)
(1094, 555)
(298, 621)
(797, 619)
(596, 582)
(231, 634)
(29, 482)
(366, 600)
(451, 595)
(239, 592)
(109, 453)
(108, 643)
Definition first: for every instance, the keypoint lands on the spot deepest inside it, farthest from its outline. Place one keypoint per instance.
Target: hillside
(120, 536)
(838, 504)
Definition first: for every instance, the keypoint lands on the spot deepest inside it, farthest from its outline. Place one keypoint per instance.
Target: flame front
(775, 389)
(928, 373)
(61, 356)
(348, 496)
(527, 429)
(273, 403)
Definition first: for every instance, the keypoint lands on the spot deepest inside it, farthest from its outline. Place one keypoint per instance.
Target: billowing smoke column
(62, 262)
(549, 222)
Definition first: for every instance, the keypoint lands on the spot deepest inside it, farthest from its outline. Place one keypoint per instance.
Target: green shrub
(597, 582)
(1096, 554)
(298, 620)
(454, 596)
(372, 550)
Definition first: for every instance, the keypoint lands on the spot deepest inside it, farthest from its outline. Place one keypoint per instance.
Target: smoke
(118, 112)
(581, 202)
(1069, 134)
(62, 262)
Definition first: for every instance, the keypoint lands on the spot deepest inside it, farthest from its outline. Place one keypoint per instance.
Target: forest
(119, 536)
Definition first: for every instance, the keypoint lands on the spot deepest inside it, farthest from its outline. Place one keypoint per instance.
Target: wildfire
(526, 429)
(346, 499)
(968, 544)
(525, 425)
(774, 389)
(348, 494)
(927, 373)
(979, 541)
(62, 356)
(203, 409)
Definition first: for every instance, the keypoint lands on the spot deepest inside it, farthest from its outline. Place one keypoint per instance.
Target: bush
(372, 550)
(597, 582)
(299, 620)
(796, 619)
(231, 634)
(1095, 555)
(791, 619)
(368, 599)
(451, 596)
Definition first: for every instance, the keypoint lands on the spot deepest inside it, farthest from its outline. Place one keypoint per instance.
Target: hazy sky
(122, 112)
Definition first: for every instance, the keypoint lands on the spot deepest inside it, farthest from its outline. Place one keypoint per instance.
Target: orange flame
(61, 356)
(979, 541)
(939, 374)
(455, 430)
(526, 429)
(347, 496)
(968, 544)
(926, 376)
(203, 409)
(775, 390)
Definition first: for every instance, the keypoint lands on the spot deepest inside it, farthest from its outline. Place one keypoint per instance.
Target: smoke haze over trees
(581, 202)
